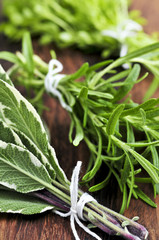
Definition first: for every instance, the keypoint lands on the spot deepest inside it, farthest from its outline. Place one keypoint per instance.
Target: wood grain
(49, 226)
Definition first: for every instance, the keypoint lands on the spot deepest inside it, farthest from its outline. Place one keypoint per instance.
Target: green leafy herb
(14, 202)
(31, 180)
(110, 129)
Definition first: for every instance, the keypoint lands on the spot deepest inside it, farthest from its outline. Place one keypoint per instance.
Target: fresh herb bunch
(31, 180)
(109, 128)
(94, 25)
(67, 22)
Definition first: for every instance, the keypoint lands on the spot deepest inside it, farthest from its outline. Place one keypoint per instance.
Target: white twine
(52, 80)
(77, 206)
(127, 28)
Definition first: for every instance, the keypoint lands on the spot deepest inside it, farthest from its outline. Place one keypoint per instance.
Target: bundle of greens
(94, 25)
(110, 129)
(69, 22)
(31, 180)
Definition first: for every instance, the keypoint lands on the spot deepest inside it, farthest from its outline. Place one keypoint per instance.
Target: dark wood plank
(49, 226)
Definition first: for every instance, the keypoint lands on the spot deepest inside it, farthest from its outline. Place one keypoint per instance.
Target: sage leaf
(13, 202)
(20, 115)
(31, 146)
(8, 135)
(21, 170)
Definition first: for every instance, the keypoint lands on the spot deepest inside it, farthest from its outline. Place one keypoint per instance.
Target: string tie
(52, 80)
(77, 206)
(123, 30)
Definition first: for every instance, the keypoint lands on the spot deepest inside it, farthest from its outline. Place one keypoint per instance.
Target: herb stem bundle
(31, 179)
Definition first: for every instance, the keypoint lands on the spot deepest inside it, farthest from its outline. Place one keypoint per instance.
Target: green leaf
(89, 175)
(128, 83)
(95, 93)
(152, 113)
(81, 71)
(79, 132)
(144, 197)
(8, 135)
(146, 165)
(83, 93)
(125, 59)
(113, 119)
(31, 146)
(20, 115)
(101, 185)
(28, 52)
(124, 201)
(83, 96)
(21, 170)
(132, 179)
(13, 202)
(139, 145)
(150, 168)
(8, 56)
(4, 76)
(155, 160)
(100, 94)
(118, 76)
(147, 105)
(143, 115)
(99, 65)
(152, 88)
(130, 133)
(125, 172)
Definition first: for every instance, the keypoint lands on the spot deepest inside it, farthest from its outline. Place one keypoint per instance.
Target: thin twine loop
(52, 80)
(77, 206)
(123, 30)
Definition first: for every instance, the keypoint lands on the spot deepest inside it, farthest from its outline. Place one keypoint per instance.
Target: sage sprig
(31, 180)
(111, 130)
(103, 26)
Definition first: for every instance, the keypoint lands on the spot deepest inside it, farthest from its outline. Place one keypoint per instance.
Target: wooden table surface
(48, 226)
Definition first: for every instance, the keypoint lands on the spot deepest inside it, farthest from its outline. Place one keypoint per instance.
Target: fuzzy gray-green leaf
(8, 135)
(20, 115)
(21, 170)
(13, 202)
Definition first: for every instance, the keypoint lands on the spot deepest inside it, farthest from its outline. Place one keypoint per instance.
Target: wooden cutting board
(49, 226)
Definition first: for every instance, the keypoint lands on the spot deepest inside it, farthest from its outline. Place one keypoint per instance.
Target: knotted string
(76, 210)
(127, 28)
(52, 80)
